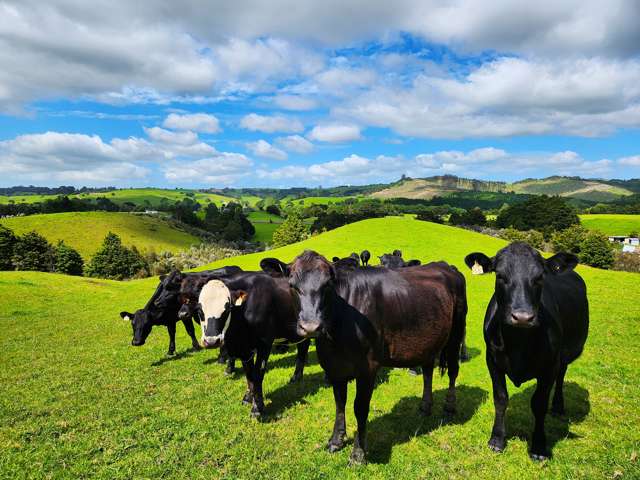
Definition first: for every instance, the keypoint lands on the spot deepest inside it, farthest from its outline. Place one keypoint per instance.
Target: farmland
(612, 224)
(92, 405)
(85, 231)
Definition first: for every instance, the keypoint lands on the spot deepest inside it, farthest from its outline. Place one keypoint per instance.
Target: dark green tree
(67, 260)
(32, 252)
(114, 260)
(596, 250)
(292, 230)
(8, 241)
(542, 213)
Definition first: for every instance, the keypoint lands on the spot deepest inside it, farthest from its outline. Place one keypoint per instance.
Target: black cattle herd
(400, 314)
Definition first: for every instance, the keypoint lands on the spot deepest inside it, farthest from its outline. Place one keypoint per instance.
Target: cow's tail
(450, 354)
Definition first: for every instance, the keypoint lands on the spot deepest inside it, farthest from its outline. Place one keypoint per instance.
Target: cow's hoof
(357, 457)
(496, 444)
(335, 444)
(448, 415)
(229, 371)
(539, 457)
(221, 360)
(257, 414)
(171, 353)
(195, 347)
(425, 409)
(247, 399)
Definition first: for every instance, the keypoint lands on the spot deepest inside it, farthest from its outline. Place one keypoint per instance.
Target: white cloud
(185, 143)
(197, 122)
(295, 143)
(223, 168)
(294, 102)
(271, 124)
(335, 133)
(633, 161)
(262, 148)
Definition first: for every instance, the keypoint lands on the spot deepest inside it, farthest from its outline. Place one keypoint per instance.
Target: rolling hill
(85, 231)
(93, 405)
(612, 224)
(591, 190)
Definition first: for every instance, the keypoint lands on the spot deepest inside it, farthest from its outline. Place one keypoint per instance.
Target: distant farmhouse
(629, 244)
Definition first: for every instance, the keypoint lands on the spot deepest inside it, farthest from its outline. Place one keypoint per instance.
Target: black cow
(367, 318)
(536, 324)
(365, 256)
(247, 313)
(163, 306)
(395, 260)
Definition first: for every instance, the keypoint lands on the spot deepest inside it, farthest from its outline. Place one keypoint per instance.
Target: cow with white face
(215, 310)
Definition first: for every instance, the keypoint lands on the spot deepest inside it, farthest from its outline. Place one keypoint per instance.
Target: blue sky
(259, 94)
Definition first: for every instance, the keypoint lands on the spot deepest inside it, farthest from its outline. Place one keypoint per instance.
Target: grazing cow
(365, 256)
(395, 260)
(367, 318)
(247, 313)
(163, 306)
(536, 324)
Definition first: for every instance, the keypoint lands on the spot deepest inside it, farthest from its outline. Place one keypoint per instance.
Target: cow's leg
(248, 367)
(231, 366)
(427, 394)
(539, 406)
(171, 328)
(223, 356)
(262, 355)
(336, 442)
(364, 389)
(557, 405)
(301, 360)
(464, 352)
(453, 367)
(188, 326)
(497, 442)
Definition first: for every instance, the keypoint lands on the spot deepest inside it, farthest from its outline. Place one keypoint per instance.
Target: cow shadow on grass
(472, 352)
(404, 422)
(177, 356)
(290, 394)
(520, 421)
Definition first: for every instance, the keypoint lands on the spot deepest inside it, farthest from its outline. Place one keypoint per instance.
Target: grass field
(85, 231)
(306, 201)
(78, 401)
(139, 196)
(612, 224)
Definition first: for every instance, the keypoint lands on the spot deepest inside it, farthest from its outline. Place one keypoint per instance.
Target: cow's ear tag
(477, 269)
(240, 299)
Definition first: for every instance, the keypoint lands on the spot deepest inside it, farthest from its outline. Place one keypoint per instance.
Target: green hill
(92, 405)
(426, 188)
(85, 231)
(574, 187)
(612, 224)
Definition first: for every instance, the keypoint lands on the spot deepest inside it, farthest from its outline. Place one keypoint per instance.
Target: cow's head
(214, 310)
(168, 290)
(520, 273)
(391, 260)
(313, 278)
(141, 323)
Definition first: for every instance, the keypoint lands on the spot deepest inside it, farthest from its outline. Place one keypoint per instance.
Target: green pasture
(78, 401)
(612, 224)
(85, 231)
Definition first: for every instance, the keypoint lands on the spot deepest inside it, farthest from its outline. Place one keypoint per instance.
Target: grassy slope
(569, 187)
(90, 404)
(134, 195)
(612, 224)
(85, 231)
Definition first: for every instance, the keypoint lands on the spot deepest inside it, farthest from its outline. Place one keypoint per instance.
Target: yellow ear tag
(477, 269)
(240, 299)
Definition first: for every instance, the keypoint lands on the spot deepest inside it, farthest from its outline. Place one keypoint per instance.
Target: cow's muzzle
(137, 343)
(212, 342)
(308, 329)
(523, 319)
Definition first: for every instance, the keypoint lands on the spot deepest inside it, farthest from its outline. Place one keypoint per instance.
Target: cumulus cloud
(294, 102)
(262, 148)
(185, 143)
(223, 168)
(335, 133)
(295, 143)
(633, 161)
(270, 124)
(197, 122)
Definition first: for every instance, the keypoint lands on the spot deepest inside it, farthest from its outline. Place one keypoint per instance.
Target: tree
(8, 241)
(569, 240)
(33, 252)
(429, 216)
(114, 260)
(472, 216)
(273, 210)
(292, 230)
(542, 213)
(67, 260)
(596, 250)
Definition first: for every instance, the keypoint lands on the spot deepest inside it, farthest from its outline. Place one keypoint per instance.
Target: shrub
(273, 210)
(33, 252)
(67, 260)
(542, 213)
(429, 216)
(596, 250)
(292, 230)
(627, 262)
(473, 216)
(8, 241)
(569, 240)
(532, 237)
(114, 260)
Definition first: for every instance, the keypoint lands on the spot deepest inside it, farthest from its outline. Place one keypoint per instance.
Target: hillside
(139, 196)
(426, 188)
(612, 224)
(93, 405)
(574, 187)
(85, 231)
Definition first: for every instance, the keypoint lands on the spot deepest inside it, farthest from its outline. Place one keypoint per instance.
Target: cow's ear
(561, 262)
(479, 263)
(413, 263)
(335, 259)
(126, 316)
(162, 277)
(274, 267)
(238, 297)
